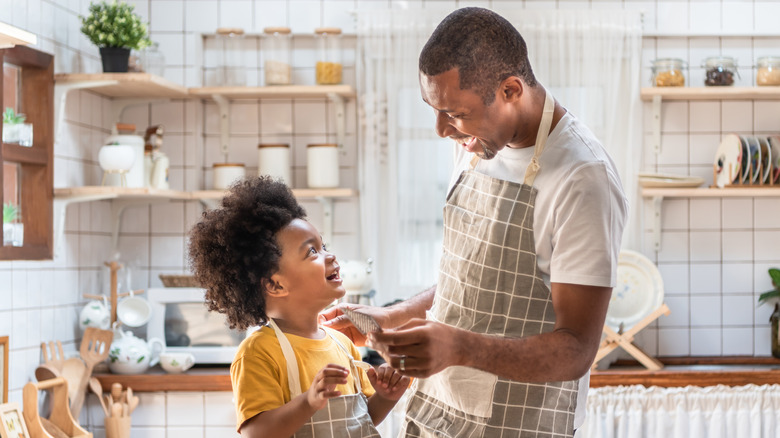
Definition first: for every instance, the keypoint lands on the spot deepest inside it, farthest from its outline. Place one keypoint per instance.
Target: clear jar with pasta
(668, 72)
(768, 70)
(328, 68)
(277, 45)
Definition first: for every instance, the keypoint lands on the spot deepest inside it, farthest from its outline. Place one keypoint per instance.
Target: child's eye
(324, 247)
(312, 250)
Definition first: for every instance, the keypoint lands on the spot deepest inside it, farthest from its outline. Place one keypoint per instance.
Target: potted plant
(13, 232)
(774, 273)
(116, 30)
(15, 130)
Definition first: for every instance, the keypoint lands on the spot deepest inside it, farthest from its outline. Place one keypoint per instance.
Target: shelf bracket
(341, 118)
(327, 219)
(61, 96)
(117, 210)
(657, 125)
(60, 206)
(210, 204)
(224, 123)
(656, 210)
(118, 106)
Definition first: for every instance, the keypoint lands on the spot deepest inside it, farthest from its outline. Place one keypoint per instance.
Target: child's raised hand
(387, 382)
(324, 385)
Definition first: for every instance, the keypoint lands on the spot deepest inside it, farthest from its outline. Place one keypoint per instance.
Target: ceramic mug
(175, 363)
(95, 314)
(134, 311)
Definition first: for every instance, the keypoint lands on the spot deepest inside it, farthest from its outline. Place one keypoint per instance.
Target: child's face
(306, 269)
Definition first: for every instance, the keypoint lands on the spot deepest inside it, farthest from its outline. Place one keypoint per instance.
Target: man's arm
(566, 353)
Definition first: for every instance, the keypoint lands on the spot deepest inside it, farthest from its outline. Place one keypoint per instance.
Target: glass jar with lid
(153, 60)
(231, 70)
(720, 71)
(768, 72)
(668, 72)
(328, 55)
(277, 45)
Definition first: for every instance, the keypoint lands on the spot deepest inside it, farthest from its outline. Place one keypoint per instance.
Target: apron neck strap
(541, 138)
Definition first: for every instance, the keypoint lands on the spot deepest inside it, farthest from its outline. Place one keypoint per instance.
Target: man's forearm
(414, 307)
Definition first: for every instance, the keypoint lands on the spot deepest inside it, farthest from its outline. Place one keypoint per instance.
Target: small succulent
(774, 293)
(10, 213)
(12, 118)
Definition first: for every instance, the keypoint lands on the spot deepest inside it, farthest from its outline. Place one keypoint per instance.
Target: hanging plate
(639, 291)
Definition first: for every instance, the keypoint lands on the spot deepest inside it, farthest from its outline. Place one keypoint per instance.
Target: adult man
(532, 230)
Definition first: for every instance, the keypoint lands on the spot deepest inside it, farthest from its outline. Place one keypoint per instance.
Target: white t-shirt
(580, 209)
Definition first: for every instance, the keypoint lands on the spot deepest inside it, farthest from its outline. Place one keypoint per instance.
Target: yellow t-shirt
(259, 371)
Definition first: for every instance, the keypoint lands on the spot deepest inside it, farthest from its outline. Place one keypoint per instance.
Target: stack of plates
(743, 159)
(666, 180)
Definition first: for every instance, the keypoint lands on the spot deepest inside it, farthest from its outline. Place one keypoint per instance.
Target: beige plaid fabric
(489, 283)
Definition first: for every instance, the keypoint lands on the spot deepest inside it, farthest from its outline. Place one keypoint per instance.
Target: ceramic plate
(639, 291)
(755, 159)
(766, 160)
(663, 180)
(728, 159)
(745, 162)
(775, 143)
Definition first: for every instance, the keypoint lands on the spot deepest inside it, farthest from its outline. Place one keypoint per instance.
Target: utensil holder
(117, 427)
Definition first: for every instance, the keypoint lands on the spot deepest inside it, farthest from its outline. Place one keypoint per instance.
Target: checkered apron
(489, 283)
(345, 416)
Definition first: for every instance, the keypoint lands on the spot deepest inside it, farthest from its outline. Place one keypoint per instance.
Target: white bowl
(175, 363)
(116, 158)
(134, 311)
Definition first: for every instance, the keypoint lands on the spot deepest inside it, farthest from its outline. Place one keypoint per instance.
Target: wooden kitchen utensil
(73, 371)
(94, 349)
(97, 389)
(625, 340)
(117, 427)
(52, 361)
(60, 414)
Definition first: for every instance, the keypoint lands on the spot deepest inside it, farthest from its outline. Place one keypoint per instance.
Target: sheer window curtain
(590, 60)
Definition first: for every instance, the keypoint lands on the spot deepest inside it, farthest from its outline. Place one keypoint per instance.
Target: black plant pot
(114, 59)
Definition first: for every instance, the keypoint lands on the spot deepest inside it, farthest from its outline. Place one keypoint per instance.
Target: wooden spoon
(94, 385)
(132, 404)
(116, 410)
(116, 392)
(73, 372)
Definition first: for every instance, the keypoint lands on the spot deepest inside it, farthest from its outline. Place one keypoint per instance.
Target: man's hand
(420, 348)
(387, 382)
(335, 319)
(323, 387)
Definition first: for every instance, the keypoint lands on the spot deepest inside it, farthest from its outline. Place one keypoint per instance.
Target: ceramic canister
(274, 160)
(226, 174)
(135, 176)
(323, 165)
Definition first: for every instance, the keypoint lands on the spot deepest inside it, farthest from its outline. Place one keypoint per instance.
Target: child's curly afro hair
(233, 249)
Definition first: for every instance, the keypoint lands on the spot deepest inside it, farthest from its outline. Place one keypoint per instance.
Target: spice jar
(274, 160)
(231, 71)
(720, 71)
(226, 174)
(278, 66)
(323, 165)
(768, 70)
(668, 72)
(328, 55)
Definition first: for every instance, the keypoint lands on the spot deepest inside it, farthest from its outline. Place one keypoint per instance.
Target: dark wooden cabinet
(32, 85)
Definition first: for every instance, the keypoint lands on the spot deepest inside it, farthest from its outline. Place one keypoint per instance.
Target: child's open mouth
(334, 276)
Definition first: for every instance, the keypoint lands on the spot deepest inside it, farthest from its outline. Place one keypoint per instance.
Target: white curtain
(748, 411)
(590, 60)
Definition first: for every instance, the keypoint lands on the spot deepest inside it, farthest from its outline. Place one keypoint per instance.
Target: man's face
(462, 116)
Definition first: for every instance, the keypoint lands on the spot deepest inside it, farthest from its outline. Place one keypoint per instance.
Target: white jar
(323, 165)
(226, 174)
(274, 160)
(134, 176)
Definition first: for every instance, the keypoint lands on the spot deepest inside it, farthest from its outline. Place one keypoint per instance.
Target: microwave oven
(182, 321)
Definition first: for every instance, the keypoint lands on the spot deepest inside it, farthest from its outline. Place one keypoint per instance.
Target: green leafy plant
(775, 274)
(114, 25)
(10, 213)
(11, 118)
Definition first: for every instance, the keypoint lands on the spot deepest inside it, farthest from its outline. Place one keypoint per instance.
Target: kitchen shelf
(711, 93)
(13, 36)
(124, 85)
(276, 91)
(727, 192)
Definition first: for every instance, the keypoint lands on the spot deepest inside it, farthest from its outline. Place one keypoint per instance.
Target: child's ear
(273, 288)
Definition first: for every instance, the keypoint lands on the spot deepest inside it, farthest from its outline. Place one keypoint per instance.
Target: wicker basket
(178, 280)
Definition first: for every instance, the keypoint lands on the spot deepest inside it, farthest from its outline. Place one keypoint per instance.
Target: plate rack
(774, 178)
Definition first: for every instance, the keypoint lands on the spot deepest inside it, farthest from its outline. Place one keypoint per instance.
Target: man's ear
(273, 288)
(511, 88)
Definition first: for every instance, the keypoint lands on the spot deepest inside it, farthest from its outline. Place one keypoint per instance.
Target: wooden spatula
(94, 349)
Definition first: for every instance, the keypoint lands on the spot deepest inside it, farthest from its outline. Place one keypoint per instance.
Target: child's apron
(490, 283)
(344, 416)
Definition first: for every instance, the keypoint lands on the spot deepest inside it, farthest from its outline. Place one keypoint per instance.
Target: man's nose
(443, 127)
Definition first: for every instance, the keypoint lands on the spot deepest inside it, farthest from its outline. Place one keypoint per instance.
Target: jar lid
(272, 145)
(714, 61)
(668, 61)
(279, 30)
(228, 165)
(322, 145)
(768, 60)
(328, 30)
(230, 31)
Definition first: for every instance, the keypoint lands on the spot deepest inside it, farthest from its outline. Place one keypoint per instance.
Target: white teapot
(130, 354)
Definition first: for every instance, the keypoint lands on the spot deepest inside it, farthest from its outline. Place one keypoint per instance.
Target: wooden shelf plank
(278, 91)
(726, 192)
(103, 192)
(299, 193)
(128, 85)
(712, 93)
(13, 36)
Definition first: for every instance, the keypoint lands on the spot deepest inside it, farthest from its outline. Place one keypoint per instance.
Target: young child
(263, 264)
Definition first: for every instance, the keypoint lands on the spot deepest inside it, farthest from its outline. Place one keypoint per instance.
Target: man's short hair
(483, 46)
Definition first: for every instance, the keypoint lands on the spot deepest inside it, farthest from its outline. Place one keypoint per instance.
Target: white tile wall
(714, 253)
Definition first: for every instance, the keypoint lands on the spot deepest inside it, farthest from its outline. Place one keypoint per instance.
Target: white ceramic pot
(135, 174)
(175, 363)
(226, 174)
(95, 314)
(274, 160)
(132, 355)
(116, 158)
(322, 169)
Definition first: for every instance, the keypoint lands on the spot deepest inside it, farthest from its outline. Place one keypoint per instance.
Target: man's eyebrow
(443, 110)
